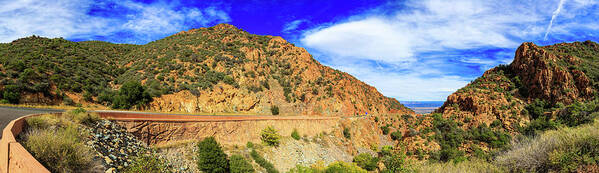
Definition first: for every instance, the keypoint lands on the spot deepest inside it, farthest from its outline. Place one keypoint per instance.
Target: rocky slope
(214, 70)
(559, 74)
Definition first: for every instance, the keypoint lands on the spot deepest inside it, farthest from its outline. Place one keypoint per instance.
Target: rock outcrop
(553, 74)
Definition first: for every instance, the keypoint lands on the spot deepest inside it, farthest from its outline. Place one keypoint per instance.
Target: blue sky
(409, 50)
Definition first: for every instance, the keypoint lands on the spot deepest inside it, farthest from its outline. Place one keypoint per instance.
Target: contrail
(555, 13)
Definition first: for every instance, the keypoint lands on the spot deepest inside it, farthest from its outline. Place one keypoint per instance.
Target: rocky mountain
(213, 70)
(551, 77)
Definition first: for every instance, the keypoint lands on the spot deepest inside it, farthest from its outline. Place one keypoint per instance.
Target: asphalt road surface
(8, 114)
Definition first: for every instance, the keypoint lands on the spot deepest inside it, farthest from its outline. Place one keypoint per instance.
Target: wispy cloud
(293, 25)
(123, 21)
(555, 13)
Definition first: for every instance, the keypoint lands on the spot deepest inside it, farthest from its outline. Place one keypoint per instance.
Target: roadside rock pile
(114, 145)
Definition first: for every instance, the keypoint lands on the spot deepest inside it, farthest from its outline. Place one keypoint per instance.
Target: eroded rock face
(312, 88)
(546, 79)
(503, 92)
(226, 132)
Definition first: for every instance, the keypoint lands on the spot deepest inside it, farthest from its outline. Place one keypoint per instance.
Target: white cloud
(410, 86)
(413, 39)
(371, 38)
(68, 18)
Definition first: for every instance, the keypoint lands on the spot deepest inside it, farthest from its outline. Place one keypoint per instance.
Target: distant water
(422, 107)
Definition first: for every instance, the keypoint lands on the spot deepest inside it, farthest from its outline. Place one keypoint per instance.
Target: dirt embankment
(233, 132)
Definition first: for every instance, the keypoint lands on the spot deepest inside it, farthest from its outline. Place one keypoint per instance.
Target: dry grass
(59, 150)
(536, 154)
(462, 167)
(57, 141)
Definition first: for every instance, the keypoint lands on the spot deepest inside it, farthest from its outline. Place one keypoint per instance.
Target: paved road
(8, 114)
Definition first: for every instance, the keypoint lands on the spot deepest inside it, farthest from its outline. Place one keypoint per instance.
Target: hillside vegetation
(216, 69)
(532, 115)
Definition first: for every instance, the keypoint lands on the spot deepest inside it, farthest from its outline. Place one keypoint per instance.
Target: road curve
(8, 114)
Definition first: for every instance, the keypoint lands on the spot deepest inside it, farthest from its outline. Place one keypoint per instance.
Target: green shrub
(131, 94)
(346, 133)
(249, 145)
(539, 125)
(385, 130)
(396, 135)
(211, 157)
(238, 164)
(578, 113)
(270, 168)
(147, 163)
(395, 163)
(274, 110)
(59, 150)
(270, 136)
(295, 135)
(537, 108)
(386, 150)
(12, 93)
(495, 123)
(366, 161)
(344, 167)
(229, 80)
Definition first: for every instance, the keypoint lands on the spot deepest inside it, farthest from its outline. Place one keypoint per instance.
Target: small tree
(270, 136)
(131, 94)
(12, 93)
(240, 165)
(274, 110)
(211, 157)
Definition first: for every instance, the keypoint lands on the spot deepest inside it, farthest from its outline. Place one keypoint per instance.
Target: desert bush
(366, 161)
(386, 150)
(211, 157)
(396, 135)
(344, 167)
(238, 164)
(270, 136)
(385, 130)
(539, 125)
(41, 122)
(270, 168)
(395, 162)
(148, 163)
(346, 133)
(81, 116)
(561, 150)
(295, 135)
(274, 110)
(249, 145)
(578, 113)
(59, 150)
(537, 108)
